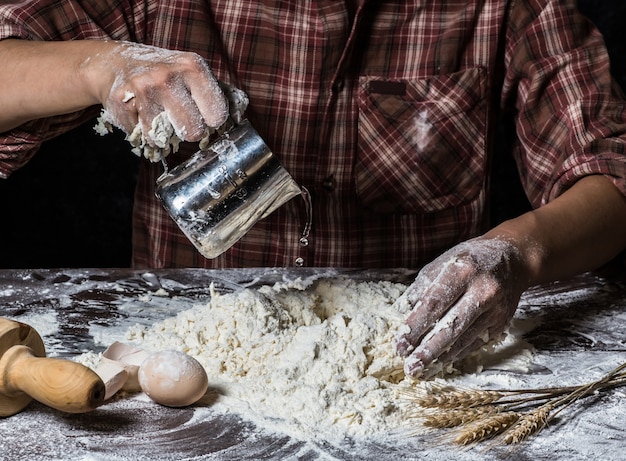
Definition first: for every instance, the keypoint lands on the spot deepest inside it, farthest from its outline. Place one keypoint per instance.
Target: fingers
(199, 99)
(447, 337)
(153, 84)
(174, 99)
(191, 98)
(438, 287)
(475, 337)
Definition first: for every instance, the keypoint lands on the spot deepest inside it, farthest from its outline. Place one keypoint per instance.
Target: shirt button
(329, 184)
(338, 86)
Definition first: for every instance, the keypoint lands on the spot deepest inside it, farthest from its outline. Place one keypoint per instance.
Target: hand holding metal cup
(218, 194)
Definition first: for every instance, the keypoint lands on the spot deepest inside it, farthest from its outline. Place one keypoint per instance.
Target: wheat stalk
(484, 414)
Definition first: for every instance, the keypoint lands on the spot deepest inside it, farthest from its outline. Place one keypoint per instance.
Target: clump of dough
(162, 134)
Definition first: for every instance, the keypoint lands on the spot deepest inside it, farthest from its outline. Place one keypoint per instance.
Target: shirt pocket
(421, 143)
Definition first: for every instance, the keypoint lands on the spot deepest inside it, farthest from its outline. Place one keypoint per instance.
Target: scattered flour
(44, 323)
(311, 358)
(315, 363)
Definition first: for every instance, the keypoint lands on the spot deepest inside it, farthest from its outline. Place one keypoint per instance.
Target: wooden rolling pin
(26, 374)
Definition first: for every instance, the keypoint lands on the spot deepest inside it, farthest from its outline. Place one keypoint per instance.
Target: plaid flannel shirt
(384, 110)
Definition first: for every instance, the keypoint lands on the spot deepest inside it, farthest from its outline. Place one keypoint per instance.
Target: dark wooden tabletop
(571, 325)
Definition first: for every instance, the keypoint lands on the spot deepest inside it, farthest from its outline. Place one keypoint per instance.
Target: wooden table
(568, 331)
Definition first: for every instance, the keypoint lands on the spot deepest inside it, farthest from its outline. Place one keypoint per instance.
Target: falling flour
(312, 363)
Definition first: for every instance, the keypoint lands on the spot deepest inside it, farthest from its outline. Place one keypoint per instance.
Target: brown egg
(172, 378)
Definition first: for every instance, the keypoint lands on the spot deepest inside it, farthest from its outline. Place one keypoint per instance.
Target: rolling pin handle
(61, 384)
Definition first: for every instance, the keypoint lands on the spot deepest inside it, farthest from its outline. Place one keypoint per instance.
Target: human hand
(460, 301)
(160, 97)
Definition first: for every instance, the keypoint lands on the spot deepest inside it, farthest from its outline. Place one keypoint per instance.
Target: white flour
(314, 360)
(314, 363)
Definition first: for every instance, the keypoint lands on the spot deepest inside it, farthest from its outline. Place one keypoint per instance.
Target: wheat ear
(486, 428)
(435, 396)
(453, 418)
(528, 424)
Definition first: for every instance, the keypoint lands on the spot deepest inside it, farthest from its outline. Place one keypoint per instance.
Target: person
(388, 112)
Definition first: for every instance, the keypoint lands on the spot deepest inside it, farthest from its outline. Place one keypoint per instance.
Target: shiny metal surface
(217, 195)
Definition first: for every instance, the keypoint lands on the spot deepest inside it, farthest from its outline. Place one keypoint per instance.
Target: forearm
(580, 231)
(41, 79)
(133, 82)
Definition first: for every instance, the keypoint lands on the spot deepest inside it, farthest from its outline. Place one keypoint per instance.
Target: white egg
(172, 378)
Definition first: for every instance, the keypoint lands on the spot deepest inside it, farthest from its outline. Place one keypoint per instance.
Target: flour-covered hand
(172, 88)
(460, 301)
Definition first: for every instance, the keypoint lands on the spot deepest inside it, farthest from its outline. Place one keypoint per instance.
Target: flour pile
(312, 363)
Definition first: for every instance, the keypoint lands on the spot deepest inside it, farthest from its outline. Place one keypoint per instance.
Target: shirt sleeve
(63, 20)
(570, 116)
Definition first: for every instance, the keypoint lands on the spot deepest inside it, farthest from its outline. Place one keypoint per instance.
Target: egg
(172, 378)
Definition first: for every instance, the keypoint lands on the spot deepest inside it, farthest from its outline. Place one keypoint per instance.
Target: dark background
(71, 205)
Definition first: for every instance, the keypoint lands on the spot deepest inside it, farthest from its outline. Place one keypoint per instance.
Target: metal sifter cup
(217, 195)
